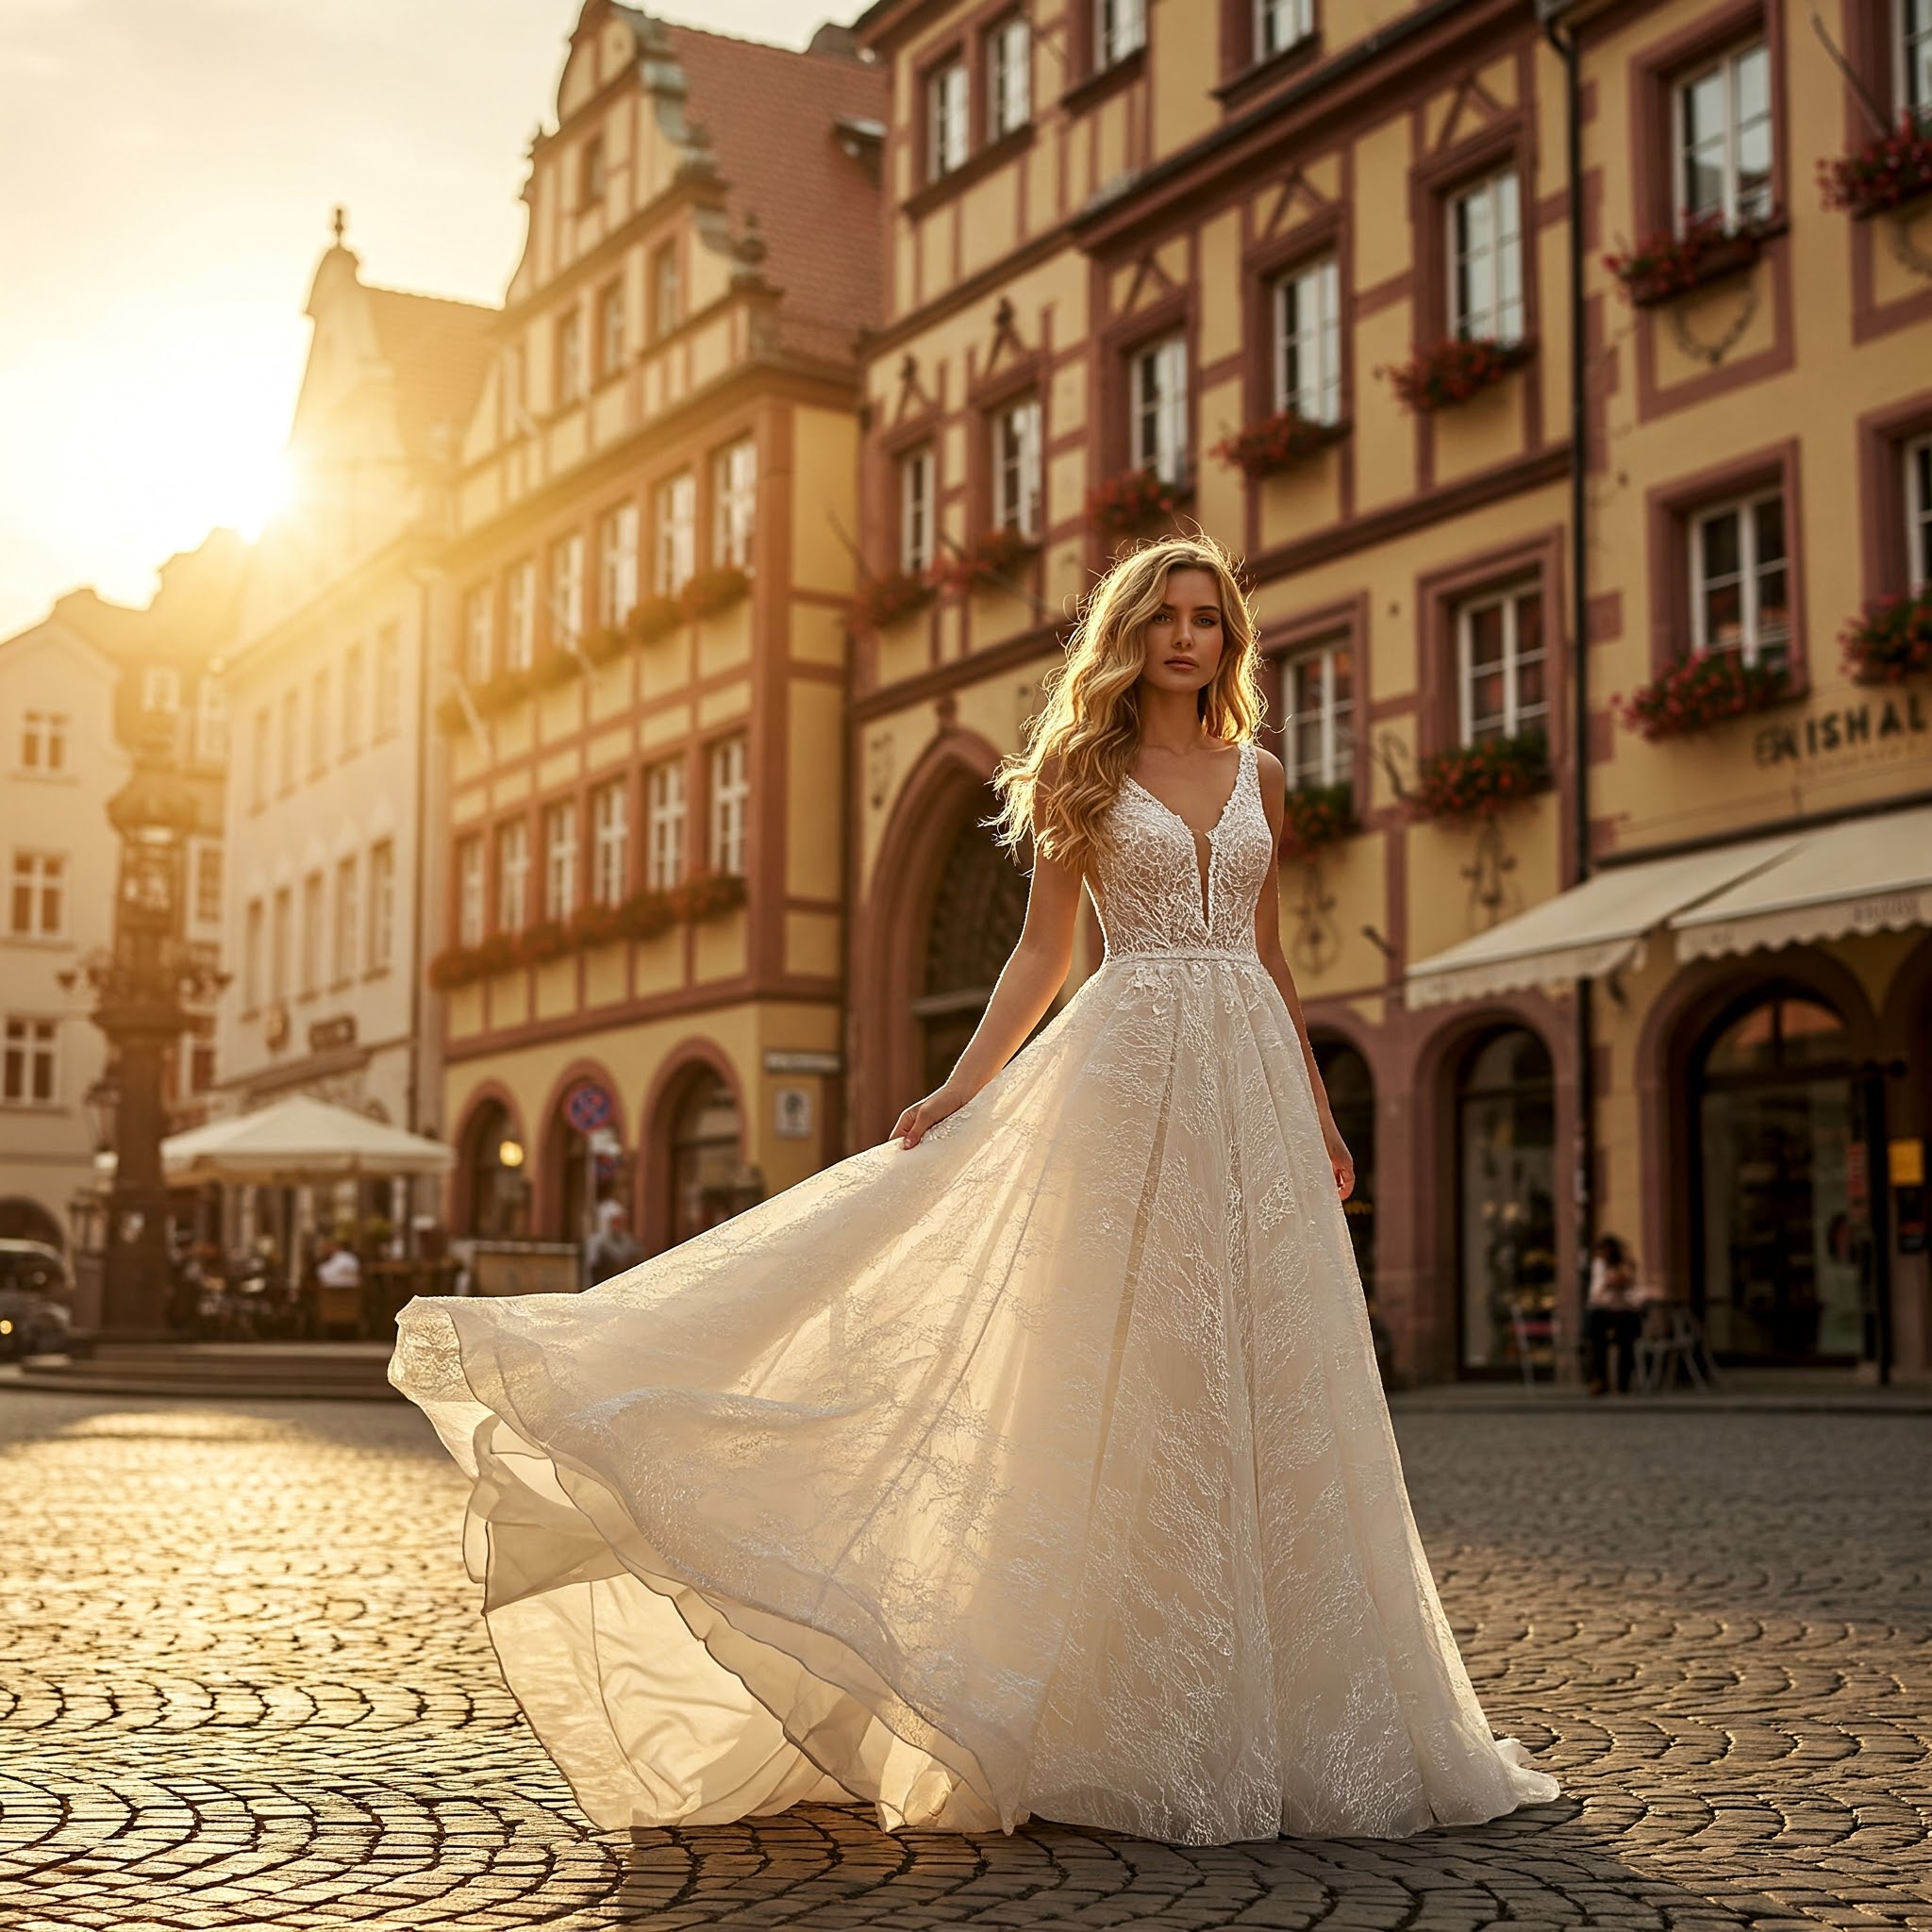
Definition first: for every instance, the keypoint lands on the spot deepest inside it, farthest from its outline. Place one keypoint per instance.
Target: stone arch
(690, 1060)
(483, 1107)
(550, 1180)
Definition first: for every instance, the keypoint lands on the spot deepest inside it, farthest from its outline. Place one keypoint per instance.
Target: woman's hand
(1339, 1158)
(912, 1125)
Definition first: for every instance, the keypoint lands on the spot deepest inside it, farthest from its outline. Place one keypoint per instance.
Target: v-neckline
(1204, 899)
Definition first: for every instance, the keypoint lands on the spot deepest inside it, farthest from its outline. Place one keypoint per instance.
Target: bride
(1033, 1462)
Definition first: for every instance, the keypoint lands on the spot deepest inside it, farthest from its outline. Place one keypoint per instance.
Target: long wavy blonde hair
(1089, 730)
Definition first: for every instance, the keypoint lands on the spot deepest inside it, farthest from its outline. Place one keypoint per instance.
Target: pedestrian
(1032, 1462)
(1613, 1314)
(613, 1247)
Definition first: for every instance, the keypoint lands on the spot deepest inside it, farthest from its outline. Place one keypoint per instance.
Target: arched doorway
(709, 1181)
(1352, 1100)
(21, 1220)
(496, 1176)
(1780, 1212)
(1506, 1202)
(584, 1165)
(979, 905)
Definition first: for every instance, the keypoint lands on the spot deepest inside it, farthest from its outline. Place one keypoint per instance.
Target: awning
(1866, 876)
(1599, 927)
(298, 1141)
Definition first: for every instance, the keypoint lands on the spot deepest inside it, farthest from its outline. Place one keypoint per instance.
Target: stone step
(236, 1370)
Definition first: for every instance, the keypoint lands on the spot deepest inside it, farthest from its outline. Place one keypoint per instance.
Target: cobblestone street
(245, 1684)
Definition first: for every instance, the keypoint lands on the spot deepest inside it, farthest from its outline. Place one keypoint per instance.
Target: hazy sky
(167, 168)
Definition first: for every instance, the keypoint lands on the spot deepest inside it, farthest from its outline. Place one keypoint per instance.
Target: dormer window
(591, 173)
(945, 115)
(570, 358)
(667, 290)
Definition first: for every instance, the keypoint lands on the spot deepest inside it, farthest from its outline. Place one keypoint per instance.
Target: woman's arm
(1268, 943)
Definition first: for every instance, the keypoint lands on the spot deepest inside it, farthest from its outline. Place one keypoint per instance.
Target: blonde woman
(1033, 1462)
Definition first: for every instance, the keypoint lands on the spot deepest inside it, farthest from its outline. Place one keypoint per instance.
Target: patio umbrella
(297, 1143)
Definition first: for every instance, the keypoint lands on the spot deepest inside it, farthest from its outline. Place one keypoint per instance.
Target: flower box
(450, 715)
(1125, 505)
(1315, 816)
(994, 558)
(706, 895)
(500, 692)
(496, 953)
(1890, 642)
(556, 666)
(606, 646)
(1889, 172)
(594, 923)
(1700, 691)
(549, 938)
(890, 599)
(646, 914)
(1277, 442)
(655, 618)
(1451, 372)
(455, 966)
(1668, 265)
(711, 591)
(1477, 781)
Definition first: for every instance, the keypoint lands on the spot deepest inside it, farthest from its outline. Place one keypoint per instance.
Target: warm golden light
(510, 1154)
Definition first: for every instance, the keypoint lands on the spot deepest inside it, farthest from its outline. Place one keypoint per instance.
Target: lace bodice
(1149, 894)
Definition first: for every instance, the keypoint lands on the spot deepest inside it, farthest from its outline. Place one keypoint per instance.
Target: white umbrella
(298, 1141)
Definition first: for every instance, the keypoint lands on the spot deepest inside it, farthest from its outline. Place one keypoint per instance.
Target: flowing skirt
(1040, 1470)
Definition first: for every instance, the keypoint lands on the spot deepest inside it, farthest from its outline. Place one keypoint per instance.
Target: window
(519, 623)
(44, 743)
(36, 907)
(1724, 140)
(617, 564)
(569, 357)
(206, 887)
(1008, 77)
(389, 681)
(915, 510)
(210, 721)
(1280, 24)
(559, 861)
(348, 918)
(591, 171)
(382, 905)
(609, 842)
(667, 290)
(1307, 343)
(664, 793)
(945, 119)
(1120, 28)
(1486, 261)
(355, 700)
(280, 944)
(292, 738)
(567, 589)
(1161, 409)
(512, 876)
(1917, 462)
(1318, 746)
(609, 330)
(29, 1064)
(733, 502)
(730, 790)
(161, 688)
(479, 635)
(257, 761)
(674, 541)
(1914, 59)
(318, 723)
(1016, 466)
(251, 958)
(310, 982)
(470, 890)
(1740, 586)
(1499, 647)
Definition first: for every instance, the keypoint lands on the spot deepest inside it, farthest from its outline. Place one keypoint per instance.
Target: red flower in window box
(496, 953)
(1453, 371)
(1477, 781)
(456, 966)
(1122, 506)
(1669, 264)
(646, 914)
(706, 895)
(1277, 442)
(506, 688)
(709, 591)
(995, 558)
(549, 938)
(888, 600)
(1699, 692)
(655, 618)
(1888, 172)
(1316, 815)
(1890, 642)
(594, 923)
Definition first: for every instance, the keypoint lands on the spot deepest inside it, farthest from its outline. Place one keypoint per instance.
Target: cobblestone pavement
(243, 1684)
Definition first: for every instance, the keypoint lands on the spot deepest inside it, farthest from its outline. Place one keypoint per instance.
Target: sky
(167, 173)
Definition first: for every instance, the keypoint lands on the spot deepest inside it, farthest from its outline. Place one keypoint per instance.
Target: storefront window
(1505, 1142)
(499, 1184)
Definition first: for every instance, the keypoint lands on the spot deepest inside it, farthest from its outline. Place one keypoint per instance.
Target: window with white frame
(205, 891)
(946, 126)
(1917, 457)
(161, 688)
(617, 563)
(1739, 580)
(560, 859)
(44, 743)
(382, 905)
(355, 700)
(733, 502)
(1722, 139)
(252, 925)
(37, 905)
(664, 824)
(210, 721)
(480, 625)
(1318, 685)
(916, 507)
(1279, 24)
(1120, 28)
(520, 616)
(674, 533)
(1486, 260)
(389, 681)
(1008, 77)
(567, 588)
(310, 981)
(258, 759)
(292, 739)
(569, 357)
(1308, 342)
(470, 892)
(1159, 377)
(609, 330)
(30, 1062)
(1016, 466)
(609, 840)
(1501, 667)
(730, 789)
(348, 919)
(1912, 58)
(281, 939)
(318, 723)
(512, 875)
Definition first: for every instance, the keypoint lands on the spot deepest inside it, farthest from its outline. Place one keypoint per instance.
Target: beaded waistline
(1248, 954)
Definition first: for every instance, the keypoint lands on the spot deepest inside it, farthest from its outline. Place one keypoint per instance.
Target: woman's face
(1183, 640)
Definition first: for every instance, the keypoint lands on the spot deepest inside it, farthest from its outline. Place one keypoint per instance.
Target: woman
(1613, 1315)
(1032, 1462)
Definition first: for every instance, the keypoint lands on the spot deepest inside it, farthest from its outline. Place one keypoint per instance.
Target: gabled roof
(436, 350)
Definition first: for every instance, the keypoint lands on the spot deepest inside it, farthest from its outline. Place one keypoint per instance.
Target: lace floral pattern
(1040, 1470)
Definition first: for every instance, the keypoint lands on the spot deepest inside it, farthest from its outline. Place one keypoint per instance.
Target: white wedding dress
(1040, 1470)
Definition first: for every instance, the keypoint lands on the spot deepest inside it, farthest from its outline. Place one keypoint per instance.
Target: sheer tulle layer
(1039, 1470)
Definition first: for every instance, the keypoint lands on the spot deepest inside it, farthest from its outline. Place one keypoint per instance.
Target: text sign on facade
(801, 1061)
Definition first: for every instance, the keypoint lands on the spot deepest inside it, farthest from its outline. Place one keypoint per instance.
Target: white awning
(1599, 927)
(1866, 876)
(298, 1141)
